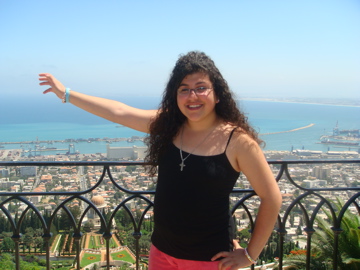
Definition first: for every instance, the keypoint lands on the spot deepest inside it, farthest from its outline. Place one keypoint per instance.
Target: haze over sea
(52, 120)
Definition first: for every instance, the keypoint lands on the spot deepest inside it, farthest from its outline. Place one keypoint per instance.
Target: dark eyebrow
(184, 84)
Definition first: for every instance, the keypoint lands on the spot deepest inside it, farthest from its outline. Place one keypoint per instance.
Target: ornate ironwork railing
(137, 202)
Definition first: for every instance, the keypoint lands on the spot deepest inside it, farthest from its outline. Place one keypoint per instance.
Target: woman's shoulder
(238, 133)
(240, 141)
(242, 149)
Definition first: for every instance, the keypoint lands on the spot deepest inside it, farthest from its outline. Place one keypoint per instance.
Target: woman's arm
(252, 162)
(111, 110)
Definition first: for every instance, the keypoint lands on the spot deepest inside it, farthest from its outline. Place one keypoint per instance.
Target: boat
(327, 141)
(349, 131)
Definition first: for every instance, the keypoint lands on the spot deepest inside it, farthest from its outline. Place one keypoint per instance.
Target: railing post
(282, 234)
(107, 237)
(46, 238)
(337, 232)
(137, 236)
(77, 238)
(16, 238)
(309, 232)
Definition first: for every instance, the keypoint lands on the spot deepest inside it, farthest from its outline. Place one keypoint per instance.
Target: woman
(199, 142)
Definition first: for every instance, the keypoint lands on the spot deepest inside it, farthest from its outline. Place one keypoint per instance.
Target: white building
(128, 153)
(314, 183)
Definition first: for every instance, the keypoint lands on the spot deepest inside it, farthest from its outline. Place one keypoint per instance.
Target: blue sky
(264, 48)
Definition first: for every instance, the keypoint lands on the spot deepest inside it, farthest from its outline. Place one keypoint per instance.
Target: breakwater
(292, 130)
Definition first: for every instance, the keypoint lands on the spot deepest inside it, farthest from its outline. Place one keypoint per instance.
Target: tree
(4, 224)
(323, 243)
(117, 195)
(130, 169)
(123, 218)
(144, 244)
(64, 221)
(76, 212)
(38, 242)
(6, 262)
(244, 235)
(28, 240)
(355, 183)
(12, 207)
(292, 218)
(7, 244)
(89, 225)
(94, 267)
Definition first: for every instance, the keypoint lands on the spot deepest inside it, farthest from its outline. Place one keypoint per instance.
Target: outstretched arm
(251, 161)
(111, 110)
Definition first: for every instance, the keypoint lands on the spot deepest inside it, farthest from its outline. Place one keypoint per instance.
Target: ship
(347, 132)
(327, 141)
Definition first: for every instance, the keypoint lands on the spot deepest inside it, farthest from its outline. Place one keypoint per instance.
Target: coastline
(283, 119)
(330, 102)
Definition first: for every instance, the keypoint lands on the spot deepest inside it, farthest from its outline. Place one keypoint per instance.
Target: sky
(127, 48)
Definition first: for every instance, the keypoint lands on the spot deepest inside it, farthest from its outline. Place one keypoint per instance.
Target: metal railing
(320, 198)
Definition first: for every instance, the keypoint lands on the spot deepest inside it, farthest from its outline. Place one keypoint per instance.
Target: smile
(194, 106)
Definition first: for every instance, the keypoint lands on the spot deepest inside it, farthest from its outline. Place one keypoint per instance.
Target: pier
(45, 150)
(292, 130)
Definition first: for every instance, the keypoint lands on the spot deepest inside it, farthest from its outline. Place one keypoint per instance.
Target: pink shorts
(160, 261)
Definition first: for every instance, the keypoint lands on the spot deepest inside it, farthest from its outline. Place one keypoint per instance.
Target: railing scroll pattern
(146, 196)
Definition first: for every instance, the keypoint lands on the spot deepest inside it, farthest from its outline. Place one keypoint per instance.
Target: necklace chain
(182, 164)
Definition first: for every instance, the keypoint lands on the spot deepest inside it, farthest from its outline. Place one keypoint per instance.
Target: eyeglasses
(199, 91)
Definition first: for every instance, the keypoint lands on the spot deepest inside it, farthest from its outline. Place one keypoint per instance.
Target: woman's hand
(232, 260)
(55, 86)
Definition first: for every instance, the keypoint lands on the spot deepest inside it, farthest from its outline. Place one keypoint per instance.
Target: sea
(284, 126)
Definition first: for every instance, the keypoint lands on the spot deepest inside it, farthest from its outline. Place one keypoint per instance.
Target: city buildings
(60, 184)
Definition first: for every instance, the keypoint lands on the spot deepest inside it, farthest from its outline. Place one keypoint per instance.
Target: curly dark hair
(169, 120)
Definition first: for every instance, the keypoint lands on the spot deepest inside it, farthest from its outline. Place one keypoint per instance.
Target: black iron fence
(47, 190)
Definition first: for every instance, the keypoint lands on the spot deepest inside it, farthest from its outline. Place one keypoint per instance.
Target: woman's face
(196, 98)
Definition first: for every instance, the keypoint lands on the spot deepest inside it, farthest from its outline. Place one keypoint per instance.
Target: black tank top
(191, 207)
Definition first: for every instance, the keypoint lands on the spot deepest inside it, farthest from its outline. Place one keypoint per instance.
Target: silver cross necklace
(182, 164)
